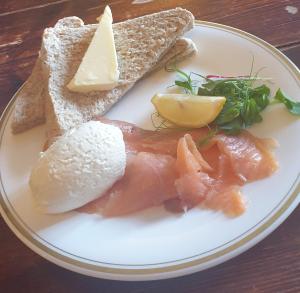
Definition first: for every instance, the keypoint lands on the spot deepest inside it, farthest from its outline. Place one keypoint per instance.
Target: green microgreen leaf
(292, 106)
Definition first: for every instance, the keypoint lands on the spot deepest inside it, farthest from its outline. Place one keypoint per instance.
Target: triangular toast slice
(29, 108)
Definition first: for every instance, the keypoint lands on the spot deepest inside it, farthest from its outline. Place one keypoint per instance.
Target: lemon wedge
(188, 110)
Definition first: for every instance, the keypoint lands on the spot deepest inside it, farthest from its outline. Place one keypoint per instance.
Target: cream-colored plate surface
(155, 244)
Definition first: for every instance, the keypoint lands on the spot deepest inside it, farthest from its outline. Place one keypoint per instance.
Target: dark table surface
(271, 266)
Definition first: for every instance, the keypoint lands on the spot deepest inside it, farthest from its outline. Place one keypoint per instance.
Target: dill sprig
(160, 123)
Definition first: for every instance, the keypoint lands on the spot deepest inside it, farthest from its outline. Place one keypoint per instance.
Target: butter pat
(98, 70)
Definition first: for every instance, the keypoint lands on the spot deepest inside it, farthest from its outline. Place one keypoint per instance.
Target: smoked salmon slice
(166, 167)
(227, 199)
(148, 181)
(192, 185)
(160, 142)
(195, 185)
(249, 157)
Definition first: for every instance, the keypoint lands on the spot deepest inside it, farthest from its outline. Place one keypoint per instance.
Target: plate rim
(173, 270)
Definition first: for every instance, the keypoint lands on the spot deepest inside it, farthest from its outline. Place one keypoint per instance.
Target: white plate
(155, 244)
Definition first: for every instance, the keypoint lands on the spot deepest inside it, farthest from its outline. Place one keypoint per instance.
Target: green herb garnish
(186, 82)
(293, 107)
(244, 101)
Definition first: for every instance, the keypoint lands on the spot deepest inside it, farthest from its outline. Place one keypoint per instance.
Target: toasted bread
(30, 104)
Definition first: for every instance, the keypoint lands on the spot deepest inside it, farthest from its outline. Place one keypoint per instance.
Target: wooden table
(271, 266)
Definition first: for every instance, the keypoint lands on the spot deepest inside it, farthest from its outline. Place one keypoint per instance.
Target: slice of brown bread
(140, 44)
(29, 110)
